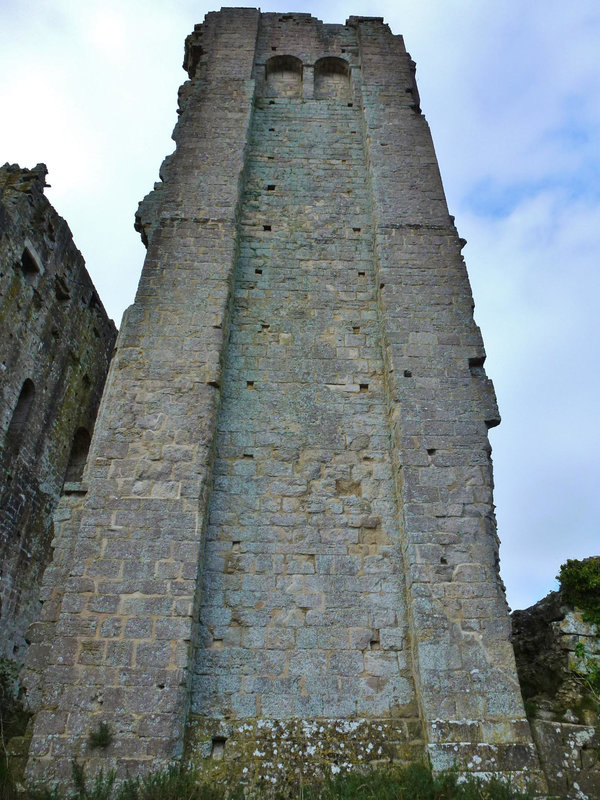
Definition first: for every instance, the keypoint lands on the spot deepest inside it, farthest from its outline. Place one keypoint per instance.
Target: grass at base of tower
(415, 782)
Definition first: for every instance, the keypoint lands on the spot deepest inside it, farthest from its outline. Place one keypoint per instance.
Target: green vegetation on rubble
(587, 669)
(580, 586)
(412, 783)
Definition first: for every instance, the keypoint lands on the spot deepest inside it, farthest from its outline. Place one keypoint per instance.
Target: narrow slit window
(30, 267)
(78, 457)
(20, 417)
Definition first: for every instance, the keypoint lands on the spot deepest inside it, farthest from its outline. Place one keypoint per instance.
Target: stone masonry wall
(55, 346)
(287, 549)
(123, 635)
(441, 405)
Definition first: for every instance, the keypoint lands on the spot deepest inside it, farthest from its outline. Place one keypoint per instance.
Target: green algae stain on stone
(263, 752)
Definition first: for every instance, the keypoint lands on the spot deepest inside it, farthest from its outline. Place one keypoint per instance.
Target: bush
(580, 586)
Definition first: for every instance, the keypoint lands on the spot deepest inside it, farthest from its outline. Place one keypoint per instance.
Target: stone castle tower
(283, 553)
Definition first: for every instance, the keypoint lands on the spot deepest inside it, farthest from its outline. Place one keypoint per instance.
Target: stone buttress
(286, 560)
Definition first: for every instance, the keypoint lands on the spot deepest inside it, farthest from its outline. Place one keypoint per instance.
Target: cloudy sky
(511, 90)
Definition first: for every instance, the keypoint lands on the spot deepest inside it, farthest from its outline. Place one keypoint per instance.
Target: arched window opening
(78, 457)
(20, 417)
(30, 267)
(332, 79)
(283, 77)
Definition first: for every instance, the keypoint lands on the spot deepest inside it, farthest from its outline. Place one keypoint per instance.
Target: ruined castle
(282, 554)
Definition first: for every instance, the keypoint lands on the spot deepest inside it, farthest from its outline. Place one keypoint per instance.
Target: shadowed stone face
(55, 346)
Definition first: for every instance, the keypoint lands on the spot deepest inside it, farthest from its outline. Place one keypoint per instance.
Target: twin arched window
(283, 76)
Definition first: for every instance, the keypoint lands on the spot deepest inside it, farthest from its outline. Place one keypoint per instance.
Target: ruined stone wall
(557, 653)
(55, 345)
(287, 552)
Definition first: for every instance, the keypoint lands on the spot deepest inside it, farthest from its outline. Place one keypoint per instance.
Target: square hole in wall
(249, 384)
(266, 227)
(258, 271)
(361, 273)
(363, 387)
(271, 187)
(356, 329)
(218, 748)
